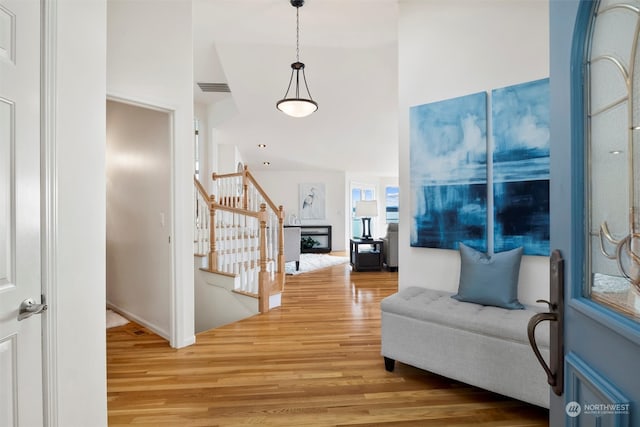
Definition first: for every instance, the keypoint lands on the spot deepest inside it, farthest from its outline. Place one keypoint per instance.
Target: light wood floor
(313, 362)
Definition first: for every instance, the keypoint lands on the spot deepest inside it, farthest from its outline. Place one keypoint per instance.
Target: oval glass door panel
(613, 161)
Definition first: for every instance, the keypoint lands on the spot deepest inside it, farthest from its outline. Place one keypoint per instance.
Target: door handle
(29, 307)
(531, 328)
(555, 369)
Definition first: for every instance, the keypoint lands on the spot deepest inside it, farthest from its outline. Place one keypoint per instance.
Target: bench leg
(389, 364)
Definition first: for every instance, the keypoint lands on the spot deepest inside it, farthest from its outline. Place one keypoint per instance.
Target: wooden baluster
(223, 241)
(206, 231)
(226, 193)
(225, 184)
(229, 241)
(213, 254)
(220, 238)
(196, 211)
(230, 253)
(216, 185)
(273, 240)
(233, 192)
(236, 241)
(245, 251)
(197, 224)
(245, 189)
(281, 274)
(263, 276)
(254, 254)
(258, 196)
(239, 245)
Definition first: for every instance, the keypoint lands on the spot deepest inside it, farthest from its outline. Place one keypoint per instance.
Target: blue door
(595, 207)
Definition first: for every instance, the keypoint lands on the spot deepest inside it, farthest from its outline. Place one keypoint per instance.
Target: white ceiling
(350, 51)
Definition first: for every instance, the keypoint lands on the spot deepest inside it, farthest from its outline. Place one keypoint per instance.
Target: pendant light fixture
(297, 105)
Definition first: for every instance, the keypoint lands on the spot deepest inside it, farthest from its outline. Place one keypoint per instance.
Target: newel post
(213, 256)
(281, 261)
(245, 188)
(263, 275)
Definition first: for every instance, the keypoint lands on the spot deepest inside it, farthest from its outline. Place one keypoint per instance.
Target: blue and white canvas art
(448, 168)
(520, 117)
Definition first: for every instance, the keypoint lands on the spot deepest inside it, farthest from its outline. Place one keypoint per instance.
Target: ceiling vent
(214, 87)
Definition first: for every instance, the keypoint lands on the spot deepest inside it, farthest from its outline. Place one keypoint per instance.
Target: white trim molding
(49, 197)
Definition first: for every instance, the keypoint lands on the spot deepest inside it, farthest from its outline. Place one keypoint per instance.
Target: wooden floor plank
(315, 361)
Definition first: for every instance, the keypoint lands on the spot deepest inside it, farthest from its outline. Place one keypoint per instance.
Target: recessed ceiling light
(262, 145)
(266, 163)
(616, 152)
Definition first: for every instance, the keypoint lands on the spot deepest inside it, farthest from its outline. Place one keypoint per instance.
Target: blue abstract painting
(448, 169)
(520, 117)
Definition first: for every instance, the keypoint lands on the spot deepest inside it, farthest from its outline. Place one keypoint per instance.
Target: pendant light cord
(297, 34)
(297, 106)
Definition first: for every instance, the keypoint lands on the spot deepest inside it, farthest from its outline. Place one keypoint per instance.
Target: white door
(20, 246)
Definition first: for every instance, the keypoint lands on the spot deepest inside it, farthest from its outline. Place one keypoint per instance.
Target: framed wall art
(312, 201)
(448, 170)
(520, 116)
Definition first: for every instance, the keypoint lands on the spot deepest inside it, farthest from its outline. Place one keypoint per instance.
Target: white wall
(283, 188)
(228, 158)
(200, 113)
(77, 374)
(139, 214)
(153, 64)
(454, 48)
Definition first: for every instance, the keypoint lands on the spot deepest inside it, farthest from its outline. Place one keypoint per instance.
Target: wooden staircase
(240, 231)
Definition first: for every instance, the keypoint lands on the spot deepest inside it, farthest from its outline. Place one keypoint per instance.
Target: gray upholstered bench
(479, 345)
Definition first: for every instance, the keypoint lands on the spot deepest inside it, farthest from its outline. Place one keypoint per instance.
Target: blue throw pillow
(489, 280)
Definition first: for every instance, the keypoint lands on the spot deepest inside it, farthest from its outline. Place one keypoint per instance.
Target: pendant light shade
(297, 104)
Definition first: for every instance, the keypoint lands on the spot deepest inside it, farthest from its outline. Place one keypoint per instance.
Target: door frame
(49, 195)
(176, 320)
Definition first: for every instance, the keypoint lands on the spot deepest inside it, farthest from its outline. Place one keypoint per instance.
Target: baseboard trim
(129, 315)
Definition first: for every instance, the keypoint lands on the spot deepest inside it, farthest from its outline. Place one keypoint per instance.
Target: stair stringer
(215, 302)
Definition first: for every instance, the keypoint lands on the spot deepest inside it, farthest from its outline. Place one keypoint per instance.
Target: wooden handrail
(262, 192)
(215, 176)
(246, 174)
(235, 210)
(201, 189)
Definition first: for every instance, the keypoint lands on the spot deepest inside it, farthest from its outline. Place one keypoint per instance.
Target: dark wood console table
(319, 233)
(367, 257)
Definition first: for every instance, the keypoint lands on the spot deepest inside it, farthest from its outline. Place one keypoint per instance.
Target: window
(359, 192)
(612, 199)
(391, 204)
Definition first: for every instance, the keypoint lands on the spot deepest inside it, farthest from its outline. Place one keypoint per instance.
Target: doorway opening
(139, 215)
